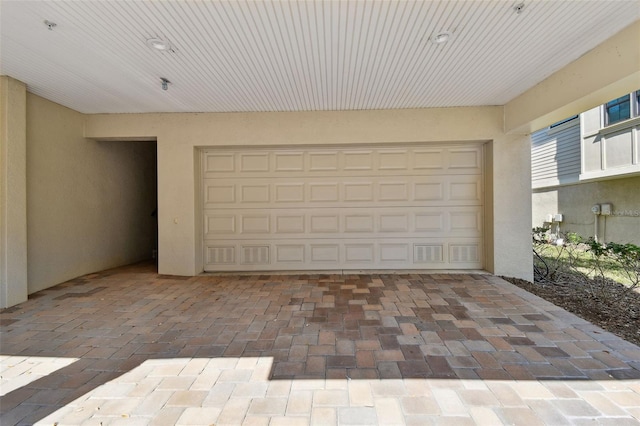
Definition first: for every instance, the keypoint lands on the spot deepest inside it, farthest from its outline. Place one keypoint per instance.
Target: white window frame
(634, 109)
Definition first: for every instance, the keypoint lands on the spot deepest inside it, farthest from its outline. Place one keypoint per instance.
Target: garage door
(415, 207)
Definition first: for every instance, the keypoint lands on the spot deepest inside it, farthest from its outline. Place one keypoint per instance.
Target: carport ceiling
(296, 55)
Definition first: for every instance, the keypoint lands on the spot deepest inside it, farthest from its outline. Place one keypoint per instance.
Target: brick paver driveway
(128, 346)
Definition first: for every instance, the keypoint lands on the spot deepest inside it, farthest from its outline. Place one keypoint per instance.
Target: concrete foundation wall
(575, 202)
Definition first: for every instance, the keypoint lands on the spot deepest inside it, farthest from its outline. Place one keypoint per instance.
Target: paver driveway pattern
(129, 346)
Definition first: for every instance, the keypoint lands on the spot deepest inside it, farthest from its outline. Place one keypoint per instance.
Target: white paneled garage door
(415, 207)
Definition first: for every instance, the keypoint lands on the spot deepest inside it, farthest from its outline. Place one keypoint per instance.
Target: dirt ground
(617, 312)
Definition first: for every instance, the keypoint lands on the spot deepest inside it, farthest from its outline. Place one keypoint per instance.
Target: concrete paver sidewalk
(128, 346)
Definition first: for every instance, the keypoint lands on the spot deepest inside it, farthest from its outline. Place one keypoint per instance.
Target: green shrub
(571, 259)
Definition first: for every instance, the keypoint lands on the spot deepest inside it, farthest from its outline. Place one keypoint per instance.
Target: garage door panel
(454, 160)
(430, 221)
(323, 254)
(357, 161)
(394, 222)
(287, 223)
(251, 193)
(219, 162)
(359, 253)
(251, 224)
(359, 222)
(463, 254)
(370, 192)
(323, 161)
(431, 159)
(429, 191)
(289, 162)
(289, 193)
(220, 254)
(395, 253)
(467, 190)
(254, 162)
(358, 191)
(318, 254)
(393, 191)
(336, 223)
(397, 160)
(290, 253)
(429, 254)
(468, 159)
(216, 193)
(323, 192)
(324, 223)
(413, 207)
(221, 224)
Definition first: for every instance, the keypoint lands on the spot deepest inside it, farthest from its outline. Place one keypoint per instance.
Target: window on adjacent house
(618, 109)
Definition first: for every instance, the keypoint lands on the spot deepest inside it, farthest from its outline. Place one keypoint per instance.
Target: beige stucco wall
(179, 136)
(512, 206)
(13, 193)
(89, 203)
(575, 202)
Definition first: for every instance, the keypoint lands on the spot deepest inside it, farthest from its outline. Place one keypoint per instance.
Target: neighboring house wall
(89, 204)
(575, 202)
(609, 151)
(607, 171)
(555, 155)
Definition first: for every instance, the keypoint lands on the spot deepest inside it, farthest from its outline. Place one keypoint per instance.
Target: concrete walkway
(128, 346)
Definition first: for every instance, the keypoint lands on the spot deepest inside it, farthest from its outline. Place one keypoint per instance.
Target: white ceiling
(296, 55)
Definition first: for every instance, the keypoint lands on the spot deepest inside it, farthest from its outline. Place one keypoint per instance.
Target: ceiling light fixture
(165, 83)
(51, 25)
(159, 44)
(441, 37)
(518, 8)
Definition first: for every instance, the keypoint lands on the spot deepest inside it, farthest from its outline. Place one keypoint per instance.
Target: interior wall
(13, 192)
(89, 203)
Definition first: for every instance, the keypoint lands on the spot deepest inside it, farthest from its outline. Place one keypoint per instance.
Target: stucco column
(177, 211)
(13, 192)
(511, 175)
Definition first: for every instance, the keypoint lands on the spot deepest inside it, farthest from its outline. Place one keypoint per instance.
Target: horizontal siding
(555, 155)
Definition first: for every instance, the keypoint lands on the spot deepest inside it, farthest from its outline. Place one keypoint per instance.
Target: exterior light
(441, 38)
(159, 44)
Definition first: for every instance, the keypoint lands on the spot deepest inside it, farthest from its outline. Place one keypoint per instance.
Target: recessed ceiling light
(159, 44)
(441, 37)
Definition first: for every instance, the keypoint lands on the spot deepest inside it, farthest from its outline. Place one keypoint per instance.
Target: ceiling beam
(604, 73)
